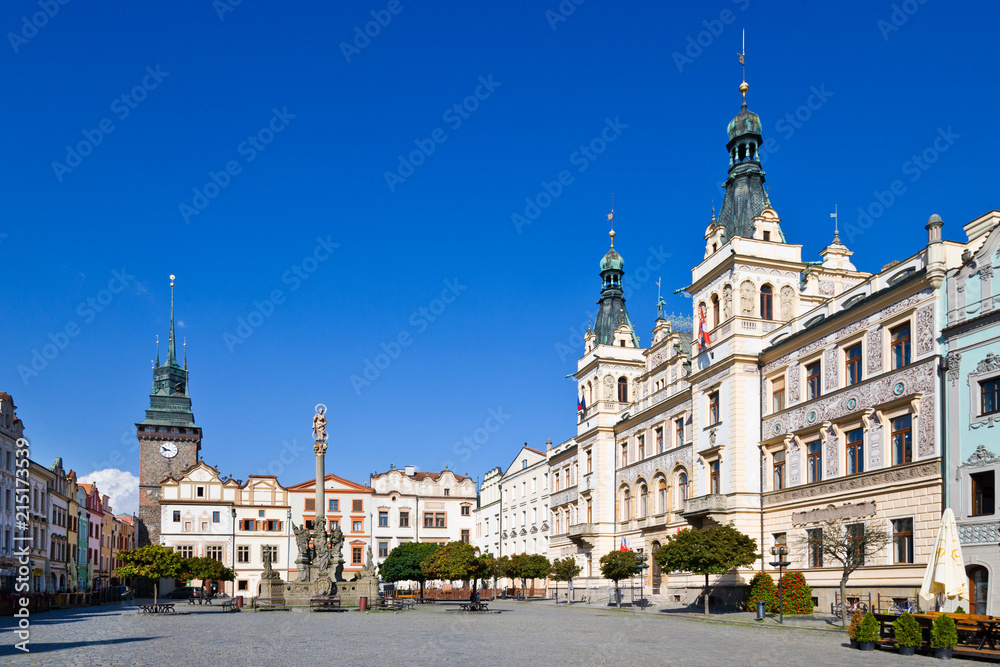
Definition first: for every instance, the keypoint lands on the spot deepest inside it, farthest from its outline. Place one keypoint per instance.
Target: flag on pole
(624, 545)
(703, 338)
(581, 405)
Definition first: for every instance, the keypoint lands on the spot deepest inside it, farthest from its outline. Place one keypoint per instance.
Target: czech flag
(703, 338)
(581, 405)
(624, 546)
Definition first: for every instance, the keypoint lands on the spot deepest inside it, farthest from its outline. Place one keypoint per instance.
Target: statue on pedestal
(321, 561)
(268, 572)
(303, 560)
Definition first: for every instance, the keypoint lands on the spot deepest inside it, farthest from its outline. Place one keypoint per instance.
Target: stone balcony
(582, 531)
(703, 505)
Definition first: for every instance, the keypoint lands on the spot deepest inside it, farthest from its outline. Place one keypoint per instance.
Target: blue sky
(279, 163)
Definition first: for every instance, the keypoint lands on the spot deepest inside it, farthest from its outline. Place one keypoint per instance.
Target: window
(429, 520)
(248, 524)
(661, 496)
(404, 519)
(642, 447)
(779, 471)
(622, 389)
(902, 541)
(215, 517)
(714, 478)
(466, 510)
(242, 554)
(439, 520)
(334, 505)
(812, 381)
(990, 391)
(659, 441)
(465, 535)
(678, 432)
(902, 440)
(715, 311)
(383, 519)
(524, 489)
(524, 463)
(177, 516)
(624, 460)
(983, 493)
(355, 555)
(383, 549)
(447, 492)
(767, 236)
(334, 524)
(852, 356)
(357, 505)
(260, 513)
(713, 408)
(626, 506)
(590, 511)
(855, 540)
(780, 539)
(778, 394)
(900, 352)
(200, 492)
(357, 526)
(273, 525)
(766, 302)
(814, 461)
(855, 451)
(814, 542)
(242, 584)
(590, 462)
(214, 552)
(185, 551)
(643, 508)
(682, 486)
(534, 484)
(524, 517)
(310, 504)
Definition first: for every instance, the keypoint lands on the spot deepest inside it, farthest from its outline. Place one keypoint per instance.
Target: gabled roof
(417, 476)
(310, 485)
(534, 452)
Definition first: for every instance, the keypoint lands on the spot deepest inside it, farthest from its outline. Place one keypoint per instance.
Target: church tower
(169, 440)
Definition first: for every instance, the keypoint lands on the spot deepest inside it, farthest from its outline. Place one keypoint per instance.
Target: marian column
(319, 446)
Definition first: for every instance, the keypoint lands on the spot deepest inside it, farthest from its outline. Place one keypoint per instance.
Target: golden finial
(743, 86)
(172, 277)
(713, 210)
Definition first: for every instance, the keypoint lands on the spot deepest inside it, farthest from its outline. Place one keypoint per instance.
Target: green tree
(528, 566)
(403, 562)
(205, 569)
(564, 570)
(617, 565)
(456, 561)
(714, 550)
(150, 562)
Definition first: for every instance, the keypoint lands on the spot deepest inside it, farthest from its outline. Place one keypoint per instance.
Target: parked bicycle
(899, 607)
(856, 605)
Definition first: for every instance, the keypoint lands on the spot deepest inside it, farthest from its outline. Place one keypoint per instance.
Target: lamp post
(288, 544)
(233, 554)
(780, 551)
(642, 567)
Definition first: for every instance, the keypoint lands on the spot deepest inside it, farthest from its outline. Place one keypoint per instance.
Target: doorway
(657, 573)
(979, 585)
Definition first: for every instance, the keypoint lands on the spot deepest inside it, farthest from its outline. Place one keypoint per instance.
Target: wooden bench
(159, 608)
(229, 605)
(395, 603)
(325, 602)
(474, 606)
(267, 604)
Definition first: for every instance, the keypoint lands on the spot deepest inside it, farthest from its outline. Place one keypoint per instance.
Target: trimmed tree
(617, 565)
(762, 588)
(150, 562)
(403, 563)
(714, 550)
(205, 569)
(796, 594)
(564, 570)
(455, 561)
(528, 566)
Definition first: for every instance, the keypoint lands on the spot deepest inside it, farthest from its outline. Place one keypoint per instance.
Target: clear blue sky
(887, 91)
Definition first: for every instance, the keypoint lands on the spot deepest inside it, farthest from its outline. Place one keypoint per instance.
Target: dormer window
(767, 236)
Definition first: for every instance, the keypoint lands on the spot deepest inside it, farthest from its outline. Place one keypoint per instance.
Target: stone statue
(322, 559)
(336, 544)
(369, 569)
(787, 297)
(301, 540)
(747, 291)
(727, 301)
(609, 388)
(268, 572)
(319, 424)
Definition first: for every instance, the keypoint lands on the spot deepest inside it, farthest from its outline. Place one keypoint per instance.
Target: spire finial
(611, 220)
(713, 210)
(172, 344)
(157, 350)
(743, 86)
(659, 298)
(836, 220)
(185, 353)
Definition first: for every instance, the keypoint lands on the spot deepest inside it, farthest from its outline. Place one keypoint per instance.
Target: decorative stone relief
(978, 533)
(925, 330)
(832, 513)
(988, 365)
(787, 301)
(925, 429)
(793, 383)
(832, 448)
(981, 457)
(793, 463)
(854, 482)
(647, 469)
(954, 363)
(874, 351)
(831, 368)
(609, 388)
(747, 293)
(873, 442)
(727, 301)
(826, 287)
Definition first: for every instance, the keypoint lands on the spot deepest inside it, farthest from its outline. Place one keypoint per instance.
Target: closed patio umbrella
(945, 577)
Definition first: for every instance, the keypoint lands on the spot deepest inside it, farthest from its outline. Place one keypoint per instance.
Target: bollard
(362, 603)
(760, 610)
(239, 602)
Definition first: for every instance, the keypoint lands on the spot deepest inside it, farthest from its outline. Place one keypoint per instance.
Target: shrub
(959, 609)
(796, 595)
(943, 632)
(907, 630)
(852, 629)
(868, 629)
(762, 588)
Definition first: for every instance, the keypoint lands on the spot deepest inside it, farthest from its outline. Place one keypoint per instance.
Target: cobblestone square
(534, 633)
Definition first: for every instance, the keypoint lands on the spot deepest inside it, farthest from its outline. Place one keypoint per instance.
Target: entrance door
(657, 574)
(979, 584)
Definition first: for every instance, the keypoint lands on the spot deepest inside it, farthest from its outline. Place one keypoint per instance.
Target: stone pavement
(523, 633)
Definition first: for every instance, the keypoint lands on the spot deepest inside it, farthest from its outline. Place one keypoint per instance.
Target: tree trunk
(156, 589)
(843, 598)
(421, 589)
(706, 595)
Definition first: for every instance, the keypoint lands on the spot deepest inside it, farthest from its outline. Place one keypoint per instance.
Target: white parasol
(945, 576)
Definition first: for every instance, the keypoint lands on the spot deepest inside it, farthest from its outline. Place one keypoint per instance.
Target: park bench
(229, 605)
(159, 608)
(325, 602)
(267, 604)
(395, 603)
(474, 606)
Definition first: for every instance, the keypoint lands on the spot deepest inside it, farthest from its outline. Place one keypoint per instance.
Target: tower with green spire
(745, 196)
(169, 439)
(611, 313)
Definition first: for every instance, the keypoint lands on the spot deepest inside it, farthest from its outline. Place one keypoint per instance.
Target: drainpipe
(760, 446)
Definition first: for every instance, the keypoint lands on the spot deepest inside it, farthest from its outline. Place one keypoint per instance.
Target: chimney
(935, 251)
(410, 471)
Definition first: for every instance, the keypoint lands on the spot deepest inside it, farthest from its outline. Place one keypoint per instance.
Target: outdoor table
(988, 628)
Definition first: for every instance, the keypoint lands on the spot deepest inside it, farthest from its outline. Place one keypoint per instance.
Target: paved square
(533, 633)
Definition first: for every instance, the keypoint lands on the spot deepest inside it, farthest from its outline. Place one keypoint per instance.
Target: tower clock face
(168, 450)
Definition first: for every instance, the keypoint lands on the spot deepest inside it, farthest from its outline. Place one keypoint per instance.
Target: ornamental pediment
(981, 457)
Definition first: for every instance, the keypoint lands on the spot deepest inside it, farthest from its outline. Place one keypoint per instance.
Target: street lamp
(641, 557)
(233, 553)
(288, 545)
(780, 551)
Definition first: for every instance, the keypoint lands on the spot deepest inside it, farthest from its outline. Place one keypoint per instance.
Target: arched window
(661, 496)
(626, 506)
(767, 302)
(590, 394)
(715, 311)
(623, 389)
(682, 488)
(642, 509)
(524, 463)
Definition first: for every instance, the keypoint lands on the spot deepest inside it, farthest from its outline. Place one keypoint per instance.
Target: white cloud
(121, 486)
